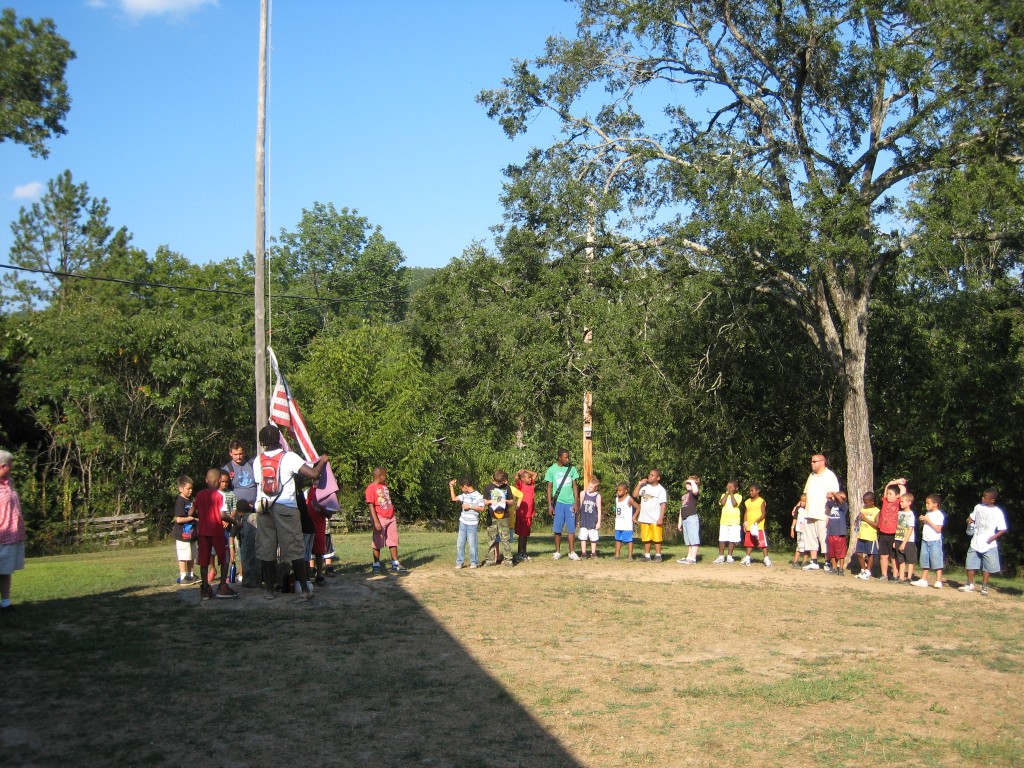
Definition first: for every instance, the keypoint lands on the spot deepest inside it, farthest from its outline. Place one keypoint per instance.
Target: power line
(197, 289)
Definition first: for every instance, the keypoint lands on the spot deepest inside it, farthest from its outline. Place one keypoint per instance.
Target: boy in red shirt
(382, 513)
(212, 523)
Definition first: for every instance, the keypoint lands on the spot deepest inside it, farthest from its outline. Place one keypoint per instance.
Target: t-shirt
(290, 465)
(243, 483)
(528, 491)
(688, 507)
(209, 503)
(987, 522)
(753, 509)
(817, 488)
(936, 516)
(905, 525)
(868, 532)
(623, 513)
(651, 499)
(588, 510)
(378, 496)
(502, 494)
(182, 508)
(838, 519)
(731, 510)
(888, 516)
(470, 516)
(554, 476)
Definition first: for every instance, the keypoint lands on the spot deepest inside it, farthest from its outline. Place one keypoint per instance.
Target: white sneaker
(939, 585)
(473, 565)
(828, 568)
(745, 561)
(684, 561)
(919, 583)
(767, 562)
(573, 555)
(812, 567)
(864, 576)
(720, 559)
(966, 588)
(730, 559)
(458, 566)
(556, 556)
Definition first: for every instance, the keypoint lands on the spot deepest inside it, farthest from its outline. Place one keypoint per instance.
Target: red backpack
(270, 474)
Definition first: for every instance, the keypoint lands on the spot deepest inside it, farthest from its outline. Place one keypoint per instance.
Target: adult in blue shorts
(563, 488)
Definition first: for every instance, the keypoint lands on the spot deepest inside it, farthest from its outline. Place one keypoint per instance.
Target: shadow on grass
(361, 675)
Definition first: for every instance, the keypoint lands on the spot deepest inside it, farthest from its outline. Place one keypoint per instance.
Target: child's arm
(868, 520)
(934, 526)
(636, 506)
(451, 490)
(599, 510)
(636, 488)
(764, 514)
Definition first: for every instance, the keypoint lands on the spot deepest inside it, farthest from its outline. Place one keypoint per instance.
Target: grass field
(548, 664)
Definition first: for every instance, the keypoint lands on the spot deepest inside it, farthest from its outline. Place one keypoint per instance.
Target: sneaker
(647, 559)
(966, 588)
(719, 560)
(882, 578)
(939, 585)
(984, 590)
(657, 557)
(919, 583)
(508, 562)
(181, 580)
(472, 566)
(730, 559)
(795, 564)
(767, 562)
(864, 576)
(812, 567)
(745, 560)
(828, 568)
(556, 556)
(398, 568)
(684, 560)
(458, 566)
(375, 568)
(573, 555)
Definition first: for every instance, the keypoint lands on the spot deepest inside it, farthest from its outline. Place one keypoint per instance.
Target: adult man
(239, 470)
(564, 479)
(821, 485)
(279, 522)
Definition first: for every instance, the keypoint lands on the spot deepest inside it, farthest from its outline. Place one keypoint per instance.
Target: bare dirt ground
(547, 664)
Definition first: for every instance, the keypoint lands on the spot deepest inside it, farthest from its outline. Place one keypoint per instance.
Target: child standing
(230, 530)
(184, 531)
(689, 520)
(208, 509)
(756, 513)
(729, 523)
(469, 520)
(624, 506)
(931, 540)
(867, 538)
(385, 526)
(796, 532)
(526, 483)
(498, 496)
(837, 527)
(905, 548)
(887, 520)
(590, 517)
(653, 499)
(988, 523)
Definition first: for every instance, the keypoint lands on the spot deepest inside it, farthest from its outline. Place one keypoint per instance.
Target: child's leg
(924, 573)
(618, 548)
(182, 565)
(970, 577)
(938, 576)
(394, 553)
(721, 549)
(630, 550)
(750, 551)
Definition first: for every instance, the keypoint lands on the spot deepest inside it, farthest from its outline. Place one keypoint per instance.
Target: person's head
(243, 507)
(754, 490)
(906, 501)
(989, 497)
(693, 484)
(237, 451)
(500, 477)
(868, 499)
(185, 486)
(841, 497)
(525, 477)
(6, 462)
(224, 481)
(270, 437)
(563, 457)
(466, 483)
(594, 484)
(731, 486)
(818, 463)
(622, 490)
(892, 492)
(803, 499)
(380, 475)
(213, 477)
(654, 477)
(932, 502)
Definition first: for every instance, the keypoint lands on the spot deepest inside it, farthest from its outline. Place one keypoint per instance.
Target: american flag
(285, 413)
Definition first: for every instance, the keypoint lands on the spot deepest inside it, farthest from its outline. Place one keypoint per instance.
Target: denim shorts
(691, 531)
(931, 554)
(983, 561)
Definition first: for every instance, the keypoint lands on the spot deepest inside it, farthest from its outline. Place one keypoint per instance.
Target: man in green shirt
(563, 484)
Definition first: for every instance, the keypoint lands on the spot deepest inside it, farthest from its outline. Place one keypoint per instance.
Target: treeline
(115, 388)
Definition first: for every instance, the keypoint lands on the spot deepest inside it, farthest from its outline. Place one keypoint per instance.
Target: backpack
(270, 475)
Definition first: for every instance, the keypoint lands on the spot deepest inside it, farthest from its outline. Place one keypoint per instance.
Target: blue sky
(371, 107)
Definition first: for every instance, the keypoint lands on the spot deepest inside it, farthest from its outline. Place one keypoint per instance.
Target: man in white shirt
(822, 484)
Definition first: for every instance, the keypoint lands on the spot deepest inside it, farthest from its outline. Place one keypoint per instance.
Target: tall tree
(33, 94)
(774, 140)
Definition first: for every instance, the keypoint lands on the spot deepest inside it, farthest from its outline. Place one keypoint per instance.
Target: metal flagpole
(262, 411)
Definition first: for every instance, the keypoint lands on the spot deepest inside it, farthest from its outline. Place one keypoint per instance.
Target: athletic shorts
(186, 550)
(983, 561)
(651, 532)
(588, 534)
(387, 536)
(837, 547)
(565, 518)
(215, 544)
(815, 535)
(731, 533)
(691, 531)
(867, 547)
(524, 521)
(885, 541)
(760, 540)
(908, 555)
(626, 537)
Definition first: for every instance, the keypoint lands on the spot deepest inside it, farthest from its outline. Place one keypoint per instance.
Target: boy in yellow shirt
(867, 539)
(756, 516)
(729, 524)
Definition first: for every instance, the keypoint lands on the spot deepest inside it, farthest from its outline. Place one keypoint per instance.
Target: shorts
(12, 557)
(691, 531)
(885, 541)
(524, 520)
(837, 547)
(565, 518)
(186, 550)
(867, 547)
(588, 534)
(815, 535)
(280, 528)
(729, 533)
(983, 561)
(908, 555)
(387, 536)
(931, 554)
(625, 537)
(307, 545)
(651, 532)
(760, 540)
(215, 544)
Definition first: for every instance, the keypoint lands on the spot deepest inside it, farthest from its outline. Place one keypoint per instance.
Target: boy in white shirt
(931, 541)
(653, 499)
(988, 523)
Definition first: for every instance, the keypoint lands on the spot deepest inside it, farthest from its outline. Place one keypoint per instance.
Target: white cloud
(137, 9)
(30, 191)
